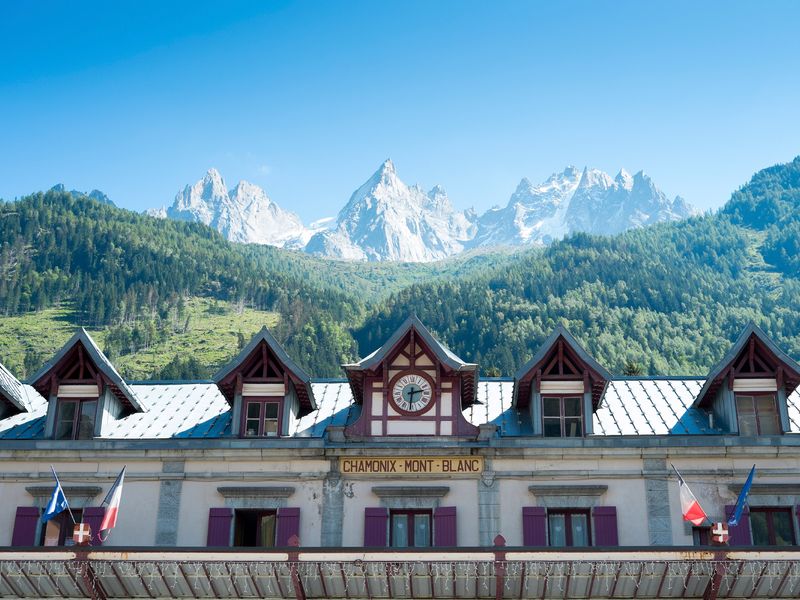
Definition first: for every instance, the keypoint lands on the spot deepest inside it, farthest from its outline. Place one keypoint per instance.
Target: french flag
(690, 507)
(112, 503)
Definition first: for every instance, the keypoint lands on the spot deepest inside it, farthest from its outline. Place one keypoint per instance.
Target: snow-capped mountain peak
(594, 178)
(577, 200)
(243, 214)
(624, 179)
(385, 219)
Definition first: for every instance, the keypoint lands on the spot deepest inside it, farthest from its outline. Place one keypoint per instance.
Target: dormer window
(757, 414)
(262, 417)
(84, 391)
(562, 416)
(266, 389)
(75, 419)
(560, 388)
(747, 391)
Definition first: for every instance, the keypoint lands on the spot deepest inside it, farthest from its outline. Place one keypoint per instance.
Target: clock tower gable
(412, 386)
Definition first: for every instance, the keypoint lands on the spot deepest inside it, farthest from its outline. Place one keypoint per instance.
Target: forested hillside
(133, 276)
(136, 283)
(169, 299)
(664, 299)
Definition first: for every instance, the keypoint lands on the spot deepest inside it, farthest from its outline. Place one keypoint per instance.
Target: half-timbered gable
(746, 391)
(267, 390)
(560, 388)
(12, 394)
(83, 389)
(412, 385)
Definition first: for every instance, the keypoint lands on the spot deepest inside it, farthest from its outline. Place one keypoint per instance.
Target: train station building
(410, 477)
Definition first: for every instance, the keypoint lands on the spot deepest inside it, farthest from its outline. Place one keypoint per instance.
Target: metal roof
(630, 406)
(11, 389)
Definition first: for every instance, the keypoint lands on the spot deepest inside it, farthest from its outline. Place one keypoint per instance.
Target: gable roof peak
(265, 336)
(560, 330)
(101, 361)
(442, 352)
(719, 370)
(523, 377)
(355, 371)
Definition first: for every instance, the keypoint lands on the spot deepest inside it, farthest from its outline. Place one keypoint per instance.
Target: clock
(412, 393)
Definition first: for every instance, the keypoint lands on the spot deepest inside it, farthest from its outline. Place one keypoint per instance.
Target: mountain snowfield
(387, 220)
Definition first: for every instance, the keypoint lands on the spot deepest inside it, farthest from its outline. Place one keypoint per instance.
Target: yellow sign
(413, 465)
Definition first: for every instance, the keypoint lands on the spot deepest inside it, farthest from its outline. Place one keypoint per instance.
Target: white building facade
(411, 459)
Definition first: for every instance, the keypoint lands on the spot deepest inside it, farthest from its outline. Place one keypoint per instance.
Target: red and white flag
(112, 503)
(690, 507)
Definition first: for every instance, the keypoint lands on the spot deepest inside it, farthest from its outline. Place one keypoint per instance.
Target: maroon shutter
(25, 526)
(288, 525)
(534, 526)
(219, 526)
(740, 535)
(376, 522)
(797, 533)
(605, 526)
(445, 526)
(93, 517)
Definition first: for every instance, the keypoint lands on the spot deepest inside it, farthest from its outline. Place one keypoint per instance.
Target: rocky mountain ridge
(388, 220)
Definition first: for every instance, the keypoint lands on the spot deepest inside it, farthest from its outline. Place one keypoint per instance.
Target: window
(254, 528)
(757, 414)
(262, 418)
(701, 536)
(568, 527)
(58, 530)
(562, 416)
(75, 419)
(410, 528)
(772, 526)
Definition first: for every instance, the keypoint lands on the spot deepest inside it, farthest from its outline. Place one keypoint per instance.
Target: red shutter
(93, 516)
(25, 526)
(605, 526)
(740, 535)
(534, 526)
(445, 527)
(288, 525)
(219, 526)
(376, 521)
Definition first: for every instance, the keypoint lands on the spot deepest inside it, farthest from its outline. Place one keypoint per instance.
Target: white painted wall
(709, 471)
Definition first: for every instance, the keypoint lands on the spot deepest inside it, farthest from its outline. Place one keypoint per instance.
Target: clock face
(412, 393)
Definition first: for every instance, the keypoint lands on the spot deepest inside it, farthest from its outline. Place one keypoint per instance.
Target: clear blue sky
(307, 98)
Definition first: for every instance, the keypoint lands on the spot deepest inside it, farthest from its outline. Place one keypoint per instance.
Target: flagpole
(71, 516)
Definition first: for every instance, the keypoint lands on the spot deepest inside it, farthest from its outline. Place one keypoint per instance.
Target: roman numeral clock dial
(412, 393)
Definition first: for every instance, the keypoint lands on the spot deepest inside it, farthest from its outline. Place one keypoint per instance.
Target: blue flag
(58, 501)
(733, 521)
